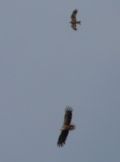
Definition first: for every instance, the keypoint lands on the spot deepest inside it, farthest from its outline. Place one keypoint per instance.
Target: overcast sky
(45, 65)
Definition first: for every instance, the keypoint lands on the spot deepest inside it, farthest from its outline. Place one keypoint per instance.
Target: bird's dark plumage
(62, 137)
(66, 126)
(74, 13)
(68, 115)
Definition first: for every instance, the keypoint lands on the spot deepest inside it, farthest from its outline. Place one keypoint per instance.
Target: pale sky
(45, 65)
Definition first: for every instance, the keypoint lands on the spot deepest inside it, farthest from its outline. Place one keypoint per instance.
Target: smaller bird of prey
(74, 21)
(67, 126)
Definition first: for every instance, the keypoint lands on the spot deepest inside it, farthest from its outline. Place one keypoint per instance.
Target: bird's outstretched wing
(62, 138)
(68, 115)
(74, 26)
(74, 13)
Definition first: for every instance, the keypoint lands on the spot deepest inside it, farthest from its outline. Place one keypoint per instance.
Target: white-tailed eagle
(74, 21)
(67, 126)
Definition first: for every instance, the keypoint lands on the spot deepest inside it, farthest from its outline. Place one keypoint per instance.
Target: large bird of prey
(74, 21)
(67, 126)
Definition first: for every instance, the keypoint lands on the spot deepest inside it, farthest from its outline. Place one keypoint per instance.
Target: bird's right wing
(62, 138)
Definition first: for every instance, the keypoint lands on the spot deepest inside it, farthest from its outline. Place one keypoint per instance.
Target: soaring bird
(67, 126)
(74, 21)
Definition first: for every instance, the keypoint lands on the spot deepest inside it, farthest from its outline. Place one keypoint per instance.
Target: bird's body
(67, 126)
(74, 21)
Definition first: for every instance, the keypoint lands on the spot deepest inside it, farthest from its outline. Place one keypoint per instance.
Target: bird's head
(72, 127)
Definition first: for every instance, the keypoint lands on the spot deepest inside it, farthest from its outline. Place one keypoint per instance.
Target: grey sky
(45, 65)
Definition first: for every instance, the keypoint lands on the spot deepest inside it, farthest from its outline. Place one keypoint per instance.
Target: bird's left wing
(74, 26)
(74, 13)
(68, 115)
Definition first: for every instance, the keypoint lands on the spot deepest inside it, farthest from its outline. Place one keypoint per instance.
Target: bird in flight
(67, 126)
(74, 21)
